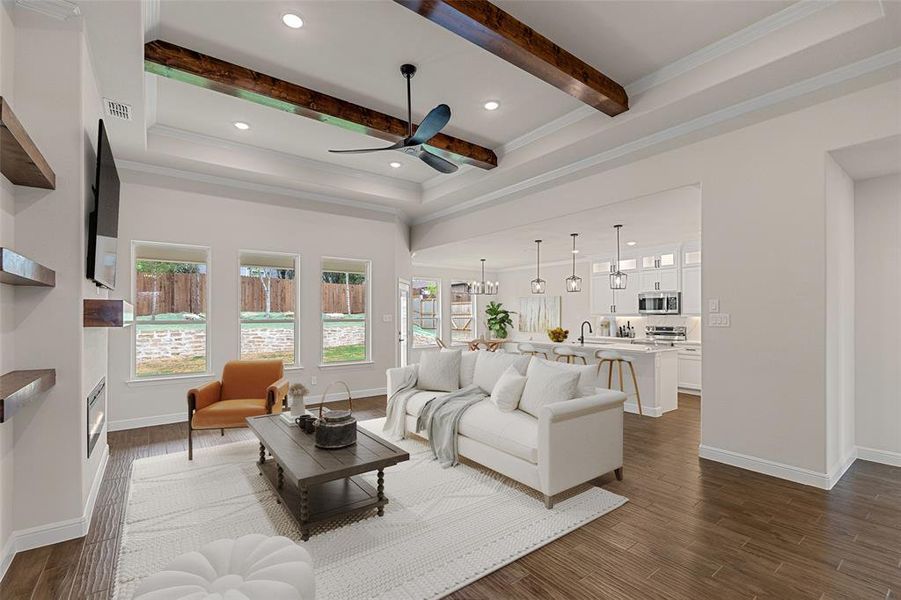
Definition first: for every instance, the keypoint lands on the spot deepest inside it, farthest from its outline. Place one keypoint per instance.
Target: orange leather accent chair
(248, 388)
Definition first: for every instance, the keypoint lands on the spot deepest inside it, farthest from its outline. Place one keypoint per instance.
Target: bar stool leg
(622, 387)
(610, 375)
(584, 362)
(635, 383)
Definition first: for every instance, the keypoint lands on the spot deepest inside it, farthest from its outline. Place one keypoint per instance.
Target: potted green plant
(498, 319)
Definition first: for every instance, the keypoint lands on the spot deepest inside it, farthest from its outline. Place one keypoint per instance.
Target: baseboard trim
(649, 411)
(886, 457)
(181, 417)
(837, 473)
(123, 424)
(60, 531)
(767, 467)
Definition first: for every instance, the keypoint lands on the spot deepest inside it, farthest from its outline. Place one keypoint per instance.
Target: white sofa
(570, 443)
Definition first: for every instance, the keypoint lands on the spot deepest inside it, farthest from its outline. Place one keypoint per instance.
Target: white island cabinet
(656, 368)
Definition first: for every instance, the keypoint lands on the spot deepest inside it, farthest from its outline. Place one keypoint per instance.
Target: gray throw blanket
(440, 418)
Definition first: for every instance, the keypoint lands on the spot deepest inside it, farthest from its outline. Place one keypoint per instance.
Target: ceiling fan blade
(396, 146)
(431, 125)
(436, 162)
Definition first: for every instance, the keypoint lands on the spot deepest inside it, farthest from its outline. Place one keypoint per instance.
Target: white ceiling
(669, 216)
(691, 58)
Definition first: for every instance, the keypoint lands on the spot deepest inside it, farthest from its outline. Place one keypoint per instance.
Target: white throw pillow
(588, 379)
(508, 390)
(546, 385)
(439, 371)
(467, 367)
(491, 365)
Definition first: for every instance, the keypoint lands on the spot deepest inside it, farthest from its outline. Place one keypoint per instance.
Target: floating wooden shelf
(99, 312)
(17, 388)
(20, 160)
(16, 269)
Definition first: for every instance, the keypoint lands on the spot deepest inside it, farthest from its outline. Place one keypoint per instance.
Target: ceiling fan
(433, 123)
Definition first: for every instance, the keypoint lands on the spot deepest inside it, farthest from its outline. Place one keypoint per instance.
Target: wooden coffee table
(318, 485)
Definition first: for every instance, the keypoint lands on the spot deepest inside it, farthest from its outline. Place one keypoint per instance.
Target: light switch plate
(387, 318)
(713, 305)
(718, 320)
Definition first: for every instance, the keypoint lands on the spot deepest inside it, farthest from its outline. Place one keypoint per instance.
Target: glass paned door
(403, 322)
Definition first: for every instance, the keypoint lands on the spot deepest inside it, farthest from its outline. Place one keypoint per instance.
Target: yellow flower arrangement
(558, 334)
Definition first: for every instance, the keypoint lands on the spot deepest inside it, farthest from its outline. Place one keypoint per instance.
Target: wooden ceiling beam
(182, 64)
(498, 32)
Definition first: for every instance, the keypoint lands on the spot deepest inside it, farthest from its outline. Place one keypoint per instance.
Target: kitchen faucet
(582, 337)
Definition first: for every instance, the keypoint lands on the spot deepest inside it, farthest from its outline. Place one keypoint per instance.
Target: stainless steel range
(661, 335)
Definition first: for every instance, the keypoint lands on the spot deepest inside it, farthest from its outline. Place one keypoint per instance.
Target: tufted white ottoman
(252, 567)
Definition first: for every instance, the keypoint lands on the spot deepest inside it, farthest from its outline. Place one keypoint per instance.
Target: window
(345, 310)
(464, 317)
(268, 293)
(170, 332)
(426, 311)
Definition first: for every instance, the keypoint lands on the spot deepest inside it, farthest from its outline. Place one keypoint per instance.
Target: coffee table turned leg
(262, 453)
(304, 513)
(381, 491)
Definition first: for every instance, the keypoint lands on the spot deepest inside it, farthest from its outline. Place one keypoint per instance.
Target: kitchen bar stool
(568, 354)
(606, 356)
(531, 350)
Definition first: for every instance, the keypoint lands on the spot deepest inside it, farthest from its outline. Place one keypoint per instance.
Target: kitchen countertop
(594, 344)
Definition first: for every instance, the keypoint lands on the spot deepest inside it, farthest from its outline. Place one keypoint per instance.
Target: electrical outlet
(718, 320)
(313, 380)
(713, 305)
(387, 318)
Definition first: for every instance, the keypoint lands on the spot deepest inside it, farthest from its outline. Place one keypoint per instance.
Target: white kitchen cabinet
(658, 280)
(691, 290)
(690, 368)
(602, 297)
(660, 258)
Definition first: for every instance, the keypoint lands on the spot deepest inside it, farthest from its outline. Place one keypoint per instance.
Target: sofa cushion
(468, 367)
(587, 374)
(547, 384)
(491, 365)
(514, 432)
(439, 371)
(228, 413)
(508, 389)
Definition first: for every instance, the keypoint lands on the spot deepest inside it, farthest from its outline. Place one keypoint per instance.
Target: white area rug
(442, 529)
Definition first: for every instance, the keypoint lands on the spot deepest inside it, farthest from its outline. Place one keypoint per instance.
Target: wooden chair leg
(222, 432)
(635, 383)
(190, 442)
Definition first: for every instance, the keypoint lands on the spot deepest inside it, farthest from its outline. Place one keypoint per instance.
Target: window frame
(296, 259)
(439, 312)
(367, 320)
(474, 302)
(207, 372)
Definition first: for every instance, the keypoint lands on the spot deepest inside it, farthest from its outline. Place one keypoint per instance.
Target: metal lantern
(539, 285)
(574, 282)
(618, 279)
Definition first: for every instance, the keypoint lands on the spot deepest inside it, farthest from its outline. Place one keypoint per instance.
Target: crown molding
(836, 76)
(62, 10)
(750, 34)
(328, 168)
(142, 167)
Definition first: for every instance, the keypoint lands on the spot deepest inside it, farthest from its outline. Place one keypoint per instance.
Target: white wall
(877, 231)
(7, 306)
(839, 192)
(763, 215)
(226, 223)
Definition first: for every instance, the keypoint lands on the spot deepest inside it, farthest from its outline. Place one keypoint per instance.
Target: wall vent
(119, 110)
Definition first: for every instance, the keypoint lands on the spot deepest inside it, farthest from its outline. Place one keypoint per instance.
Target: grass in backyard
(349, 353)
(171, 366)
(286, 356)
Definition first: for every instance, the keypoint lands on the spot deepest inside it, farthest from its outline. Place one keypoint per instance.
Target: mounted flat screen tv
(103, 225)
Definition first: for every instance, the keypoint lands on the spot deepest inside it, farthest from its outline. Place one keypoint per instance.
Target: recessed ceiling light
(492, 105)
(293, 21)
(631, 243)
(394, 165)
(241, 125)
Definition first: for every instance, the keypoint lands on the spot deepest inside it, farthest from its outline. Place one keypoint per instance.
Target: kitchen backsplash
(692, 324)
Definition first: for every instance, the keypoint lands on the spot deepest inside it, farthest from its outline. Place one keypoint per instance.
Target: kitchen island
(656, 368)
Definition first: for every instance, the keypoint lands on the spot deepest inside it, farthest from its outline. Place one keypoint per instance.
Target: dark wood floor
(692, 529)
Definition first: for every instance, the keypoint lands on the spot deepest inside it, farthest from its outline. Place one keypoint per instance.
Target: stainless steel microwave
(660, 303)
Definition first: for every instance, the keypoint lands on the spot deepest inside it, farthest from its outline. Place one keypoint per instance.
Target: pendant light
(618, 279)
(539, 285)
(483, 288)
(574, 282)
